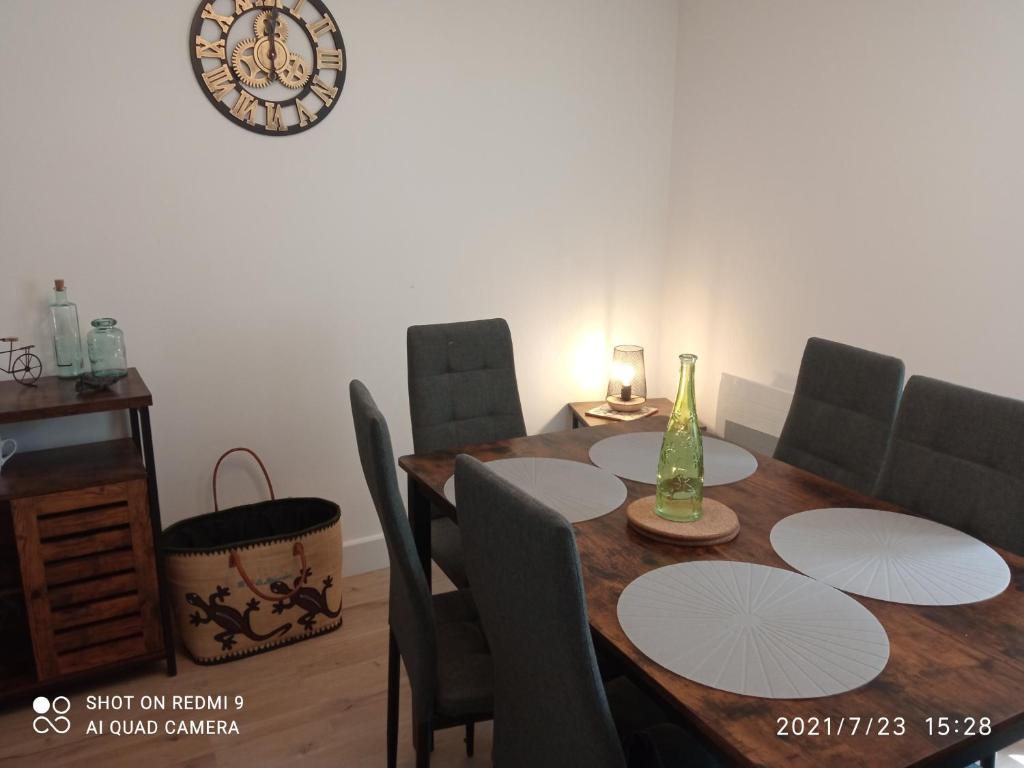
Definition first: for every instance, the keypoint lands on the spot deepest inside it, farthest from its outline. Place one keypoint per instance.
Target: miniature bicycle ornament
(26, 368)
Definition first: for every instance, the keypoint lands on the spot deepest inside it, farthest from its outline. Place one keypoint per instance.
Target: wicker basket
(252, 578)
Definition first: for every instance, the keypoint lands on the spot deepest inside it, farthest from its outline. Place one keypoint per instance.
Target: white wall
(486, 159)
(850, 170)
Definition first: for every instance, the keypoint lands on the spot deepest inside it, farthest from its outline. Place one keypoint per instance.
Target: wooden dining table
(951, 693)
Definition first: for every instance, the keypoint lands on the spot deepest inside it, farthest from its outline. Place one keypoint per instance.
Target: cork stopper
(58, 285)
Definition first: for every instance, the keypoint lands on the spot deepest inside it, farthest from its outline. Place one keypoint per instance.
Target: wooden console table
(81, 580)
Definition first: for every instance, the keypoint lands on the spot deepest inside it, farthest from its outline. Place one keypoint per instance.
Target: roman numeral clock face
(276, 67)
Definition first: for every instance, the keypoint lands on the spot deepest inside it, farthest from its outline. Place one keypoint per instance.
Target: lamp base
(625, 406)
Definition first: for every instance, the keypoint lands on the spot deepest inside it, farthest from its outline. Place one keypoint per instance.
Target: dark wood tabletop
(53, 397)
(955, 661)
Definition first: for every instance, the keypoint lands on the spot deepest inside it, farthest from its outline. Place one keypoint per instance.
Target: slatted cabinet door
(88, 569)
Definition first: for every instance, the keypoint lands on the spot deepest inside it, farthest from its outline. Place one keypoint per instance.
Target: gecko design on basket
(308, 599)
(229, 619)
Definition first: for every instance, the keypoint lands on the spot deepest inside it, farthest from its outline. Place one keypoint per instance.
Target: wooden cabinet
(88, 577)
(80, 575)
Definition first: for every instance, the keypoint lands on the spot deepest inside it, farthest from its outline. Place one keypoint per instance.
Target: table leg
(419, 519)
(154, 519)
(136, 435)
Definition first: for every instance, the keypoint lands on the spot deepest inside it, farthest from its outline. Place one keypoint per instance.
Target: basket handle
(216, 469)
(235, 561)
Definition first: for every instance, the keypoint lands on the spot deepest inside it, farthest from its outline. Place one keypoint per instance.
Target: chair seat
(632, 709)
(465, 675)
(455, 606)
(648, 737)
(669, 746)
(446, 550)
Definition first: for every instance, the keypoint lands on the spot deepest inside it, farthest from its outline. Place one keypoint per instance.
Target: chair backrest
(550, 707)
(462, 385)
(411, 612)
(841, 418)
(957, 457)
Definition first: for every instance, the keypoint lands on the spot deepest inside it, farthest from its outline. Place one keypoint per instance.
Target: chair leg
(988, 762)
(424, 742)
(394, 680)
(470, 735)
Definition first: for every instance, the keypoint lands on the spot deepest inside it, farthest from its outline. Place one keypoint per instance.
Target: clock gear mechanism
(251, 58)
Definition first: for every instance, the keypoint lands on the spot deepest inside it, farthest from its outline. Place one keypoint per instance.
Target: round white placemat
(890, 556)
(577, 490)
(753, 629)
(634, 456)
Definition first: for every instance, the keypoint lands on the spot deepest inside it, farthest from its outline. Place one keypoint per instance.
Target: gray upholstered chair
(841, 417)
(957, 457)
(551, 708)
(462, 391)
(439, 637)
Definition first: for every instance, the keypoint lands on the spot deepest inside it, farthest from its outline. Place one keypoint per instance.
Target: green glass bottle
(681, 466)
(67, 339)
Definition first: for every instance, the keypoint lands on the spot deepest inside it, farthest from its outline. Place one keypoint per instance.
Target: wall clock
(274, 68)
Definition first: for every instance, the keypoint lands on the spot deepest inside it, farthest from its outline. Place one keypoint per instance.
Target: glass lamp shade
(628, 372)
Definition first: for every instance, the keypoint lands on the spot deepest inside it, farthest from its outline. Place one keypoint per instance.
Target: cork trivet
(718, 525)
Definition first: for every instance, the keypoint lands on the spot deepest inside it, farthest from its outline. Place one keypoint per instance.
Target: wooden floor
(321, 702)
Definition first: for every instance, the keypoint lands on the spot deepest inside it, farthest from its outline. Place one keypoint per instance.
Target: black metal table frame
(142, 436)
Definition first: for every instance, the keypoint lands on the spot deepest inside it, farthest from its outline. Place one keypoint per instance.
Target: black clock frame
(339, 81)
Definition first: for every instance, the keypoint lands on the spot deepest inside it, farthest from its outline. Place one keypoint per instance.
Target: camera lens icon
(60, 706)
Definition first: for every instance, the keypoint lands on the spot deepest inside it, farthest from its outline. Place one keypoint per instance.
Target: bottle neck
(686, 402)
(60, 297)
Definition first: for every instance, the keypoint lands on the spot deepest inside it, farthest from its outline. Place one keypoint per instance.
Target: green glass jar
(681, 466)
(105, 343)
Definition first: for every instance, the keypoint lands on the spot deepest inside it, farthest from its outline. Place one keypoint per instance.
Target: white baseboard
(369, 553)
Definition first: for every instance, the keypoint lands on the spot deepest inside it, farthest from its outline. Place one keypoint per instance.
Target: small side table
(81, 576)
(578, 412)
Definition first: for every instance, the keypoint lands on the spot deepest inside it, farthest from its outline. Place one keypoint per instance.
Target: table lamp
(627, 387)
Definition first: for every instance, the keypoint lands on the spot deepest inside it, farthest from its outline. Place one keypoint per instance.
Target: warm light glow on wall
(590, 363)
